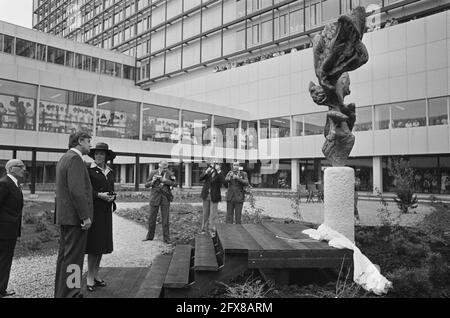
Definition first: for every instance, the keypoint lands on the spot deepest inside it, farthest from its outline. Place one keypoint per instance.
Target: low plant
(346, 287)
(251, 288)
(438, 269)
(404, 184)
(386, 216)
(411, 283)
(252, 213)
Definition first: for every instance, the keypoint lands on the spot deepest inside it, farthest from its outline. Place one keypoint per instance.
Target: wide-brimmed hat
(110, 155)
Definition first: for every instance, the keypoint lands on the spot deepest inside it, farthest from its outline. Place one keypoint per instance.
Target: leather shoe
(147, 239)
(7, 293)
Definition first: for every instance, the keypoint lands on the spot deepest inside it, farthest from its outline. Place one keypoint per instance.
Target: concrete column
(187, 175)
(295, 174)
(377, 172)
(339, 201)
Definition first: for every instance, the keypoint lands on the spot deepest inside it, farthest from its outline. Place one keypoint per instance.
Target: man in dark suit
(160, 181)
(11, 204)
(74, 212)
(236, 180)
(213, 179)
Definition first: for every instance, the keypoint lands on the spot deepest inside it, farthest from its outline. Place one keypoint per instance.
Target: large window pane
(160, 124)
(196, 128)
(280, 127)
(363, 119)
(6, 44)
(117, 118)
(55, 55)
(264, 128)
(191, 54)
(444, 165)
(233, 9)
(228, 128)
(211, 46)
(298, 125)
(409, 114)
(25, 48)
(65, 112)
(41, 52)
(363, 171)
(437, 111)
(330, 10)
(191, 26)
(382, 117)
(250, 135)
(315, 123)
(211, 17)
(17, 105)
(234, 39)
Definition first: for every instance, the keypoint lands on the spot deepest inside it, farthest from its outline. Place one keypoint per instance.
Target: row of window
(172, 55)
(63, 111)
(416, 113)
(42, 52)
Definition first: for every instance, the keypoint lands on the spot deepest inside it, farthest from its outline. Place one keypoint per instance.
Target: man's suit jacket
(236, 186)
(11, 204)
(157, 196)
(212, 184)
(74, 198)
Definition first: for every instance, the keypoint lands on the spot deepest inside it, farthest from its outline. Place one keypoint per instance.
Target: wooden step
(178, 273)
(205, 255)
(152, 284)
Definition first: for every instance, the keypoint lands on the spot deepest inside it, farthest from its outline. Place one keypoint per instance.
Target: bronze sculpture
(337, 50)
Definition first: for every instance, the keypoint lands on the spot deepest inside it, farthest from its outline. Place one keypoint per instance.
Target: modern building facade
(213, 65)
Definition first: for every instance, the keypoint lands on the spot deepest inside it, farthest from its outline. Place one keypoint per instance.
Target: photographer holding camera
(213, 179)
(236, 180)
(160, 181)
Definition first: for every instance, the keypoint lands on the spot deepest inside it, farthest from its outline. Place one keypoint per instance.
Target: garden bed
(39, 234)
(416, 260)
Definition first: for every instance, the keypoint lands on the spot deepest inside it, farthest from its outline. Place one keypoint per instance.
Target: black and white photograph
(227, 156)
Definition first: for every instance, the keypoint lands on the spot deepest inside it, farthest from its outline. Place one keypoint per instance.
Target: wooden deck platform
(275, 249)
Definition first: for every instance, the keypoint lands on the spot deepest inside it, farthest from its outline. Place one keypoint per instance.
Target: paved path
(33, 276)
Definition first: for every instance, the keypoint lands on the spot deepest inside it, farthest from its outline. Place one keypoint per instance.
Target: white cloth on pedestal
(365, 273)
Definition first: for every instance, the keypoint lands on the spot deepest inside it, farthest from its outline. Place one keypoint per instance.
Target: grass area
(39, 234)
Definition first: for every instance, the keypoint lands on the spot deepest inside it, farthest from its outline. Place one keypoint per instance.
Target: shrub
(411, 246)
(410, 283)
(404, 184)
(386, 216)
(252, 214)
(438, 269)
(251, 288)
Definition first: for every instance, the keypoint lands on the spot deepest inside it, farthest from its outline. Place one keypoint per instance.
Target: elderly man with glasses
(11, 204)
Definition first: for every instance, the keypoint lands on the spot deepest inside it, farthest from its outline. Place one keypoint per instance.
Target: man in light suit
(160, 180)
(236, 180)
(74, 212)
(11, 204)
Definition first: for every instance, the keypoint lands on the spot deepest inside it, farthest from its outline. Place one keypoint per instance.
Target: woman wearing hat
(100, 237)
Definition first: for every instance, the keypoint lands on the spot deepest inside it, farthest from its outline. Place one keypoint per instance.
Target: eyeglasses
(22, 167)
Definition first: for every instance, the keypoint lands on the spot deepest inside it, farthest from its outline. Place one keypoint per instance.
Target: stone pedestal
(339, 190)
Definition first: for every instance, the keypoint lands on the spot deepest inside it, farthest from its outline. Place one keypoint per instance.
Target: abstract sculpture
(337, 50)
